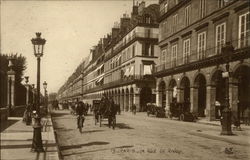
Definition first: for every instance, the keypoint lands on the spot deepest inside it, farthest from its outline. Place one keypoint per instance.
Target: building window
(163, 56)
(202, 8)
(174, 55)
(165, 7)
(221, 3)
(186, 51)
(201, 45)
(147, 33)
(187, 15)
(146, 49)
(148, 20)
(133, 51)
(175, 23)
(244, 37)
(220, 37)
(152, 50)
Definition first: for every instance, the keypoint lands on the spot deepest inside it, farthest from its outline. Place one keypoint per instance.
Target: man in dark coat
(79, 111)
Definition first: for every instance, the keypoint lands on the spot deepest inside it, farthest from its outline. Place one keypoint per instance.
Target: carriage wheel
(100, 120)
(95, 119)
(114, 122)
(182, 117)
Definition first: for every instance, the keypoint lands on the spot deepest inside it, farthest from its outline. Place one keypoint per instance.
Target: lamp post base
(226, 122)
(37, 144)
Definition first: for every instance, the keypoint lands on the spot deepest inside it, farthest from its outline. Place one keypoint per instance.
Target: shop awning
(147, 70)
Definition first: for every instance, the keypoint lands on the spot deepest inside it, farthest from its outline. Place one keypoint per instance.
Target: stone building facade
(196, 38)
(122, 63)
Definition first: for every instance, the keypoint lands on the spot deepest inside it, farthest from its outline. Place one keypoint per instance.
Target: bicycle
(80, 121)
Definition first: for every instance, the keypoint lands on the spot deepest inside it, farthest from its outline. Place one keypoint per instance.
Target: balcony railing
(196, 57)
(119, 82)
(136, 35)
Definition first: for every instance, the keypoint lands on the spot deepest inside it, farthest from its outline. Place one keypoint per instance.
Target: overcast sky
(70, 28)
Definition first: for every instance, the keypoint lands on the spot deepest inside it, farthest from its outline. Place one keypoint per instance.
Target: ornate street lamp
(45, 95)
(26, 79)
(11, 83)
(38, 44)
(227, 51)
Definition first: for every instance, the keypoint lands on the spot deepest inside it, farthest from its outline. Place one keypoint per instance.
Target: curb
(60, 157)
(56, 139)
(207, 123)
(218, 137)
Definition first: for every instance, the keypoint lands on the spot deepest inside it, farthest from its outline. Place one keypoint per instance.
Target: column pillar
(233, 98)
(125, 102)
(11, 89)
(129, 102)
(27, 93)
(159, 95)
(194, 99)
(169, 96)
(211, 98)
(137, 101)
(180, 95)
(121, 102)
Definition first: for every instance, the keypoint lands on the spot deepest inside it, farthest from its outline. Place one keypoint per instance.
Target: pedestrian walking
(134, 109)
(246, 116)
(27, 114)
(80, 113)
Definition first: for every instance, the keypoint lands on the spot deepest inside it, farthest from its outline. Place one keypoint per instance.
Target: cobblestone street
(142, 137)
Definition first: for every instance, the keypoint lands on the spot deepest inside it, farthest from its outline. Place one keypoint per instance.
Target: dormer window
(147, 19)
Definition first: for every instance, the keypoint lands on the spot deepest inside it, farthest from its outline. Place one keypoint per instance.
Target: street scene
(142, 137)
(125, 79)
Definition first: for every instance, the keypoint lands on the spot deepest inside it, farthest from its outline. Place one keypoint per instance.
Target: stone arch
(162, 94)
(145, 97)
(185, 91)
(237, 66)
(242, 77)
(211, 78)
(218, 86)
(195, 76)
(200, 85)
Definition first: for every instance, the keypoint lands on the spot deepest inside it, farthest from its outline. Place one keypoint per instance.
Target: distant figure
(27, 114)
(133, 109)
(246, 116)
(79, 112)
(236, 122)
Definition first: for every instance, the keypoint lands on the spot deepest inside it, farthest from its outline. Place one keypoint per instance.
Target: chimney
(141, 7)
(134, 11)
(125, 22)
(115, 33)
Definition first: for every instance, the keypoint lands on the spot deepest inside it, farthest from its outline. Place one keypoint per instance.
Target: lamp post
(11, 84)
(27, 89)
(37, 145)
(227, 113)
(45, 95)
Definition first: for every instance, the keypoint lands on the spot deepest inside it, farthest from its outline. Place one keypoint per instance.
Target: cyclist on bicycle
(79, 113)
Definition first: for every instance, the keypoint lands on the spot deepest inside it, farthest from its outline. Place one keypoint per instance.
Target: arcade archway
(242, 74)
(145, 97)
(200, 84)
(162, 94)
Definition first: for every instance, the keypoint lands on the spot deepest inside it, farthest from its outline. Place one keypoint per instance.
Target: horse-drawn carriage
(105, 109)
(181, 111)
(155, 110)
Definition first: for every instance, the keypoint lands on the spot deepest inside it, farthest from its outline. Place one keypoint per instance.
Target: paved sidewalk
(212, 132)
(16, 141)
